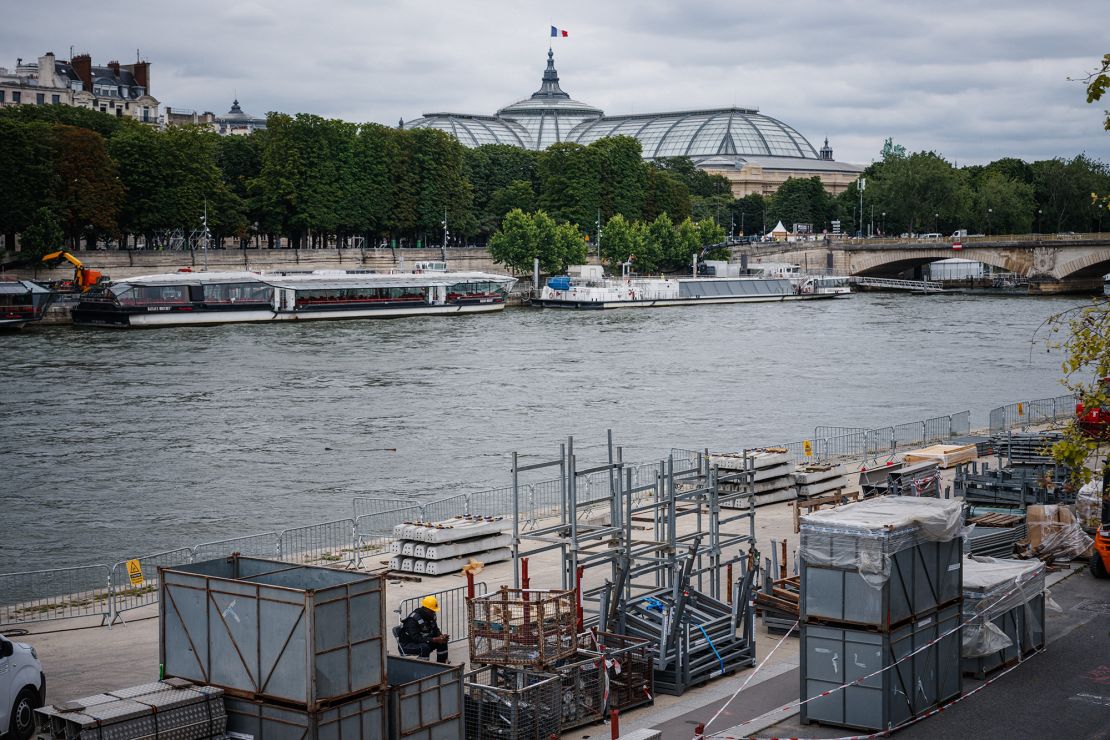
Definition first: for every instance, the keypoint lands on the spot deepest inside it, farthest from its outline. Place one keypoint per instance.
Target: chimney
(82, 67)
(46, 70)
(141, 70)
(114, 66)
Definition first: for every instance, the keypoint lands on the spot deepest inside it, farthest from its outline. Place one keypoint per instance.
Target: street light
(1039, 212)
(936, 220)
(884, 223)
(989, 212)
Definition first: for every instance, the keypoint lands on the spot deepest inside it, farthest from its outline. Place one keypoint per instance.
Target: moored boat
(587, 288)
(22, 302)
(182, 298)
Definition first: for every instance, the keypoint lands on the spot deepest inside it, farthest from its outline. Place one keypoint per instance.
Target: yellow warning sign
(1021, 409)
(807, 447)
(135, 572)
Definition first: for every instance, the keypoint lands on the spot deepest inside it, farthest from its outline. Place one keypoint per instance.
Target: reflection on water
(119, 443)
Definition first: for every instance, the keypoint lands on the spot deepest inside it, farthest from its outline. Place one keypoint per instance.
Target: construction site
(819, 590)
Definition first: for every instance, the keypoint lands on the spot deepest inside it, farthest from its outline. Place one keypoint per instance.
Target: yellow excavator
(84, 278)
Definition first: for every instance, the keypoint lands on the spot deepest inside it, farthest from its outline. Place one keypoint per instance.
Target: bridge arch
(887, 263)
(1091, 265)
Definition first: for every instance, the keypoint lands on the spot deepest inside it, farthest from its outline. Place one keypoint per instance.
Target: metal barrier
(494, 502)
(452, 609)
(328, 543)
(960, 424)
(59, 593)
(264, 545)
(445, 508)
(369, 506)
(911, 434)
(1023, 414)
(134, 589)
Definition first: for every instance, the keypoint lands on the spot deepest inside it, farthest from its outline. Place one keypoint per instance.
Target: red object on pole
(728, 581)
(524, 573)
(614, 724)
(469, 585)
(699, 731)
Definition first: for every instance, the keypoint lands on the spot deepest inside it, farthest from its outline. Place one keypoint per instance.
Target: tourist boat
(185, 297)
(22, 301)
(587, 288)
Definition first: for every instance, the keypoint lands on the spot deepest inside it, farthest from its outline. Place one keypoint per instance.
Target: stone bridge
(1053, 263)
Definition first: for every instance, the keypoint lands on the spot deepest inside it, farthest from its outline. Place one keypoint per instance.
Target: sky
(973, 80)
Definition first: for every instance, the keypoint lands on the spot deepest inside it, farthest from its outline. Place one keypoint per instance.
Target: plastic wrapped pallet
(880, 562)
(1088, 504)
(993, 589)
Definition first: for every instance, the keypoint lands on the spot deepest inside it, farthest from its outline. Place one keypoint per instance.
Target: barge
(184, 298)
(588, 289)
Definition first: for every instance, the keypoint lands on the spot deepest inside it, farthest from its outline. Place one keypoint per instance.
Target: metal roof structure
(721, 137)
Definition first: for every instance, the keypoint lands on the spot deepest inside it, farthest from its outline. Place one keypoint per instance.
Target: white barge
(588, 289)
(182, 298)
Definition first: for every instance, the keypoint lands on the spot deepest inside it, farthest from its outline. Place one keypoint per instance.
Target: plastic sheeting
(865, 534)
(1088, 503)
(993, 587)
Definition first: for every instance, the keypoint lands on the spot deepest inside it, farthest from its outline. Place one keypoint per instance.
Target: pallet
(997, 520)
(813, 504)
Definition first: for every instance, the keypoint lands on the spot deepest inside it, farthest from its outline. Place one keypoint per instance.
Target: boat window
(155, 295)
(238, 293)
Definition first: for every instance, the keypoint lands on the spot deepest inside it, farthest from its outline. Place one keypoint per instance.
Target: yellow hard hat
(430, 602)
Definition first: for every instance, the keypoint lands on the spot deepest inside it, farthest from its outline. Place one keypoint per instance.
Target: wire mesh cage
(519, 627)
(584, 689)
(503, 703)
(630, 665)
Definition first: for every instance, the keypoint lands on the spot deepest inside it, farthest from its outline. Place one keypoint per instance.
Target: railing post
(532, 500)
(923, 433)
(466, 505)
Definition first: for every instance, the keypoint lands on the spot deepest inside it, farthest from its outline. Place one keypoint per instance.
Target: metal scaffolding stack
(662, 553)
(979, 484)
(880, 579)
(1026, 448)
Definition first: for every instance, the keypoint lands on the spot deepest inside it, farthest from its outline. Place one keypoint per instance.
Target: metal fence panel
(445, 508)
(960, 424)
(452, 618)
(264, 545)
(368, 505)
(328, 543)
(911, 434)
(547, 498)
(58, 593)
(1064, 407)
(826, 432)
(938, 428)
(130, 591)
(495, 502)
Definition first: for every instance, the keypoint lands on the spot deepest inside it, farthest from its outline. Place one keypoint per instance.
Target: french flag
(556, 32)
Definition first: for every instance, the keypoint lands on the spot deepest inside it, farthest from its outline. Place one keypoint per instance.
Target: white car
(22, 689)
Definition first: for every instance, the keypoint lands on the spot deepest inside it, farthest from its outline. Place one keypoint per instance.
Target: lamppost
(599, 233)
(1039, 212)
(871, 226)
(884, 223)
(741, 222)
(989, 212)
(936, 220)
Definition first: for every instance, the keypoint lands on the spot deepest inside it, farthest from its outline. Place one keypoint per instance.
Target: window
(146, 114)
(17, 97)
(55, 99)
(40, 98)
(1, 96)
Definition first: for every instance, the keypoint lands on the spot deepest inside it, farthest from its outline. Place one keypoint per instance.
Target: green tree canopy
(524, 237)
(43, 235)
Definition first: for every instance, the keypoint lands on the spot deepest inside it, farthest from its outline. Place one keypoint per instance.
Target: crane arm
(54, 256)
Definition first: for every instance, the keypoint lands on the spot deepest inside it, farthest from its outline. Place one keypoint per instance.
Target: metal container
(833, 656)
(273, 631)
(522, 627)
(165, 710)
(425, 700)
(363, 718)
(504, 703)
(1024, 625)
(922, 578)
(583, 686)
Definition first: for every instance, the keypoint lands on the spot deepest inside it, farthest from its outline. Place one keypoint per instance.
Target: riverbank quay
(91, 658)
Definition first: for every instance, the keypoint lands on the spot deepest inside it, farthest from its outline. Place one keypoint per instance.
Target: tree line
(73, 174)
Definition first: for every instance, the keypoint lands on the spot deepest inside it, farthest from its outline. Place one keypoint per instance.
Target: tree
(524, 237)
(1084, 335)
(800, 201)
(68, 115)
(1002, 205)
(912, 190)
(516, 195)
(42, 236)
(89, 192)
(28, 177)
(623, 176)
(748, 213)
(620, 241)
(1098, 82)
(570, 183)
(665, 193)
(494, 167)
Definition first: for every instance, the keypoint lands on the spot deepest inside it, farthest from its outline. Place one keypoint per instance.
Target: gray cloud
(971, 81)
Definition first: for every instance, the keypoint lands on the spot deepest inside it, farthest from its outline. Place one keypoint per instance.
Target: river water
(118, 444)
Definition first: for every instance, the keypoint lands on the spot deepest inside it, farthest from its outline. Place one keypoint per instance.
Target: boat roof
(322, 280)
(19, 287)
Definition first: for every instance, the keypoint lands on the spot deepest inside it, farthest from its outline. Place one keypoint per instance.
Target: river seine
(123, 443)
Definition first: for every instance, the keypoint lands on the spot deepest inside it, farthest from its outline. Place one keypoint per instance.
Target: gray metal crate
(425, 700)
(831, 656)
(157, 711)
(922, 577)
(1024, 625)
(362, 718)
(268, 630)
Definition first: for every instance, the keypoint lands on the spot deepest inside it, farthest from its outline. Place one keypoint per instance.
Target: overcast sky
(973, 80)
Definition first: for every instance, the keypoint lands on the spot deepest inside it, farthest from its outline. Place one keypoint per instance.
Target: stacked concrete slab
(440, 548)
(771, 473)
(816, 480)
(880, 579)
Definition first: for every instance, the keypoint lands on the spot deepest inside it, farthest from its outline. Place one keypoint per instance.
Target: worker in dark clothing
(420, 634)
